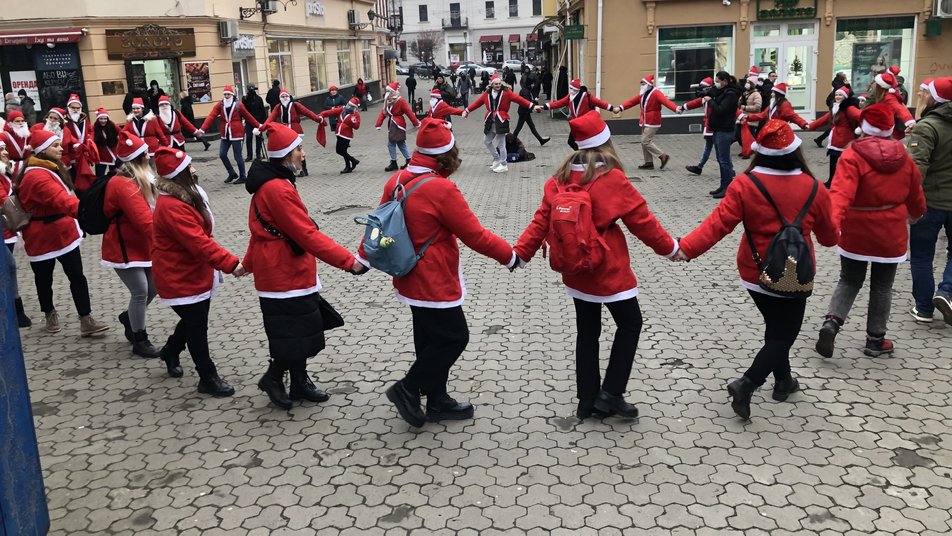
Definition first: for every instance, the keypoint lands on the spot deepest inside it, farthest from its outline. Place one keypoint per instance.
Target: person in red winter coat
(16, 136)
(578, 101)
(844, 116)
(397, 112)
(53, 234)
(281, 254)
(876, 194)
(288, 112)
(704, 86)
(233, 115)
(140, 124)
(83, 151)
(779, 108)
(497, 99)
(596, 169)
(106, 137)
(651, 99)
(173, 124)
(436, 213)
(7, 167)
(187, 264)
(778, 164)
(439, 109)
(348, 120)
(883, 90)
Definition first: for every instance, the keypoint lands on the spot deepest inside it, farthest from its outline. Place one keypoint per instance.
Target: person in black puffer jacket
(722, 103)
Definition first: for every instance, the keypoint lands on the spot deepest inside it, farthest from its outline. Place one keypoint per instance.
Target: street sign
(786, 9)
(574, 32)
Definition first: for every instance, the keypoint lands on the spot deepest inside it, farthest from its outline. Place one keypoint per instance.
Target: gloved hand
(256, 132)
(517, 262)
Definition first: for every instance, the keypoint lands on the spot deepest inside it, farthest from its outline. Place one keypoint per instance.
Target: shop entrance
(140, 73)
(790, 50)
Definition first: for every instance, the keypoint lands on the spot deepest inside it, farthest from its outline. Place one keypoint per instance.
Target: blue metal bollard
(23, 509)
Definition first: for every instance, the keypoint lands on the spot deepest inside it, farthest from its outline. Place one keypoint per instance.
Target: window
(366, 60)
(490, 10)
(688, 54)
(279, 62)
(316, 65)
(345, 72)
(536, 8)
(423, 14)
(866, 47)
(513, 8)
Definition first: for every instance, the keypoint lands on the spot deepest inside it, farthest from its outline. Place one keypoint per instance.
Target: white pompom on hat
(130, 146)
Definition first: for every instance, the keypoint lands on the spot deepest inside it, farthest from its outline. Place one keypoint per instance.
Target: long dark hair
(787, 162)
(60, 170)
(187, 181)
(105, 135)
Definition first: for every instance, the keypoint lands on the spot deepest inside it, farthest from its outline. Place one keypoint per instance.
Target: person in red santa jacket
(55, 123)
(779, 165)
(232, 129)
(7, 167)
(288, 112)
(281, 255)
(497, 99)
(578, 101)
(703, 86)
(173, 124)
(596, 168)
(779, 108)
(844, 116)
(106, 137)
(397, 112)
(876, 194)
(83, 151)
(439, 109)
(16, 136)
(651, 100)
(883, 90)
(348, 120)
(127, 243)
(141, 125)
(187, 264)
(53, 234)
(436, 213)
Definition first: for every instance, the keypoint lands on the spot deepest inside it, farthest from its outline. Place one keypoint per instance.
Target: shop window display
(867, 47)
(690, 53)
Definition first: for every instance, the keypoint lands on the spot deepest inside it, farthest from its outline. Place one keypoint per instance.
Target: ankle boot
(444, 408)
(172, 364)
(405, 164)
(785, 387)
(606, 402)
(301, 386)
(826, 340)
(741, 391)
(215, 386)
(272, 383)
(127, 327)
(22, 320)
(392, 166)
(141, 345)
(303, 168)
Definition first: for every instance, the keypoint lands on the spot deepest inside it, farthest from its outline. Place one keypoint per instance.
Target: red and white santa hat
(862, 97)
(435, 94)
(781, 88)
(170, 162)
(754, 72)
(129, 146)
(58, 111)
(495, 77)
(895, 70)
(41, 139)
(776, 138)
(707, 82)
(887, 81)
(589, 130)
(102, 112)
(876, 120)
(576, 83)
(434, 137)
(74, 98)
(137, 103)
(13, 115)
(354, 101)
(284, 93)
(941, 89)
(392, 86)
(281, 140)
(227, 90)
(648, 80)
(843, 90)
(925, 84)
(164, 100)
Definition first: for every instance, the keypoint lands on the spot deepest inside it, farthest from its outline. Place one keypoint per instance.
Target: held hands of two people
(516, 262)
(239, 271)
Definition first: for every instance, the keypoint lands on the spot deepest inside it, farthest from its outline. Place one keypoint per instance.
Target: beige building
(805, 41)
(102, 48)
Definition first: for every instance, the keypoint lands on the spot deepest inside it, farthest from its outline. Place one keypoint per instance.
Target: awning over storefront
(41, 37)
(490, 39)
(532, 37)
(514, 38)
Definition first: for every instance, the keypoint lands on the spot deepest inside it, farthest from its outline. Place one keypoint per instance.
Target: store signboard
(150, 41)
(63, 57)
(26, 80)
(58, 85)
(313, 9)
(871, 59)
(198, 81)
(574, 32)
(786, 9)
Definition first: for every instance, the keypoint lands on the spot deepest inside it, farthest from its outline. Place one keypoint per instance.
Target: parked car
(479, 68)
(516, 65)
(403, 71)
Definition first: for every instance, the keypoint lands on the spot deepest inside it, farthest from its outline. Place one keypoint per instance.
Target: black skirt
(294, 327)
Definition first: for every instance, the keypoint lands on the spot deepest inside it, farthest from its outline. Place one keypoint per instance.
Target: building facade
(611, 45)
(483, 31)
(197, 47)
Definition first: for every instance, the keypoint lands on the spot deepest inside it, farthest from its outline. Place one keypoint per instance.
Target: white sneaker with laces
(501, 168)
(495, 164)
(919, 317)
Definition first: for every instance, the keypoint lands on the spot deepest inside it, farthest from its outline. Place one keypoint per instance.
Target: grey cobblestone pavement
(864, 449)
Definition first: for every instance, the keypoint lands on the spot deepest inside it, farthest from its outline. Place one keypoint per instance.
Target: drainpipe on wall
(598, 53)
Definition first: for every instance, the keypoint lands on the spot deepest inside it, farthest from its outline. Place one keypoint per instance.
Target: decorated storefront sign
(150, 41)
(314, 9)
(26, 80)
(786, 9)
(198, 80)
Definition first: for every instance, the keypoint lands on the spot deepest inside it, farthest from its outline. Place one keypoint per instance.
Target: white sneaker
(495, 164)
(501, 168)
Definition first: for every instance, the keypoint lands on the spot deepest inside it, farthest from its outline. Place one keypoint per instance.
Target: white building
(484, 31)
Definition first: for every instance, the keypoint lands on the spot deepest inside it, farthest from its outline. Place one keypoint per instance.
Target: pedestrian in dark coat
(273, 96)
(255, 107)
(185, 107)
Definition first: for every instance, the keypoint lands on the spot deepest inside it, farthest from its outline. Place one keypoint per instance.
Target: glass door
(790, 50)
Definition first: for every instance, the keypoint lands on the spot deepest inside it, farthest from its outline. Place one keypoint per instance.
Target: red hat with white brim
(354, 101)
(576, 83)
(137, 103)
(707, 82)
(284, 93)
(781, 88)
(590, 130)
(73, 98)
(392, 86)
(941, 89)
(164, 100)
(60, 112)
(41, 139)
(754, 72)
(495, 77)
(129, 146)
(170, 162)
(13, 115)
(925, 84)
(281, 140)
(776, 138)
(887, 81)
(845, 91)
(435, 94)
(101, 112)
(877, 120)
(228, 89)
(434, 137)
(895, 70)
(648, 79)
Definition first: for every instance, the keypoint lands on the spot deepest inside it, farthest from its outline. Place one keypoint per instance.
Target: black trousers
(572, 143)
(192, 331)
(526, 120)
(72, 264)
(834, 158)
(251, 138)
(439, 338)
(343, 145)
(588, 319)
(783, 318)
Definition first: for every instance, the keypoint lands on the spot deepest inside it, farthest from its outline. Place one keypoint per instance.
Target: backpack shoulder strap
(808, 204)
(763, 190)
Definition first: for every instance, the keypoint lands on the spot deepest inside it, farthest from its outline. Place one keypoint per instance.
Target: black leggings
(72, 264)
(588, 319)
(526, 120)
(783, 318)
(343, 144)
(439, 338)
(572, 143)
(834, 158)
(192, 331)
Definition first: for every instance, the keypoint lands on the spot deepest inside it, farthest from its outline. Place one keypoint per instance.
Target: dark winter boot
(353, 163)
(827, 338)
(171, 360)
(392, 166)
(405, 164)
(124, 320)
(301, 386)
(741, 391)
(272, 383)
(22, 320)
(784, 388)
(141, 345)
(303, 169)
(444, 408)
(215, 386)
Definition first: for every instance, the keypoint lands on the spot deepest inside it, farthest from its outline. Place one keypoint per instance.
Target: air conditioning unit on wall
(270, 7)
(943, 9)
(353, 18)
(228, 30)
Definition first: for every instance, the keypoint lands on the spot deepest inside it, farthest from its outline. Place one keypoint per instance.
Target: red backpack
(576, 245)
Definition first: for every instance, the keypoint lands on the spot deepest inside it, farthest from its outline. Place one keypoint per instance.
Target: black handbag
(331, 318)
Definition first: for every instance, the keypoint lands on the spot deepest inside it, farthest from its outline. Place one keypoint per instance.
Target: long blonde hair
(138, 170)
(596, 161)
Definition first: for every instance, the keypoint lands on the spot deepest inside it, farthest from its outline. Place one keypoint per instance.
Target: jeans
(496, 145)
(852, 276)
(464, 97)
(439, 338)
(142, 287)
(922, 239)
(783, 318)
(13, 267)
(722, 148)
(251, 138)
(526, 120)
(235, 146)
(72, 264)
(708, 145)
(392, 149)
(192, 331)
(588, 319)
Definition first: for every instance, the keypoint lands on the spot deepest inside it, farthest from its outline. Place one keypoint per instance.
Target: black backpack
(91, 218)
(788, 267)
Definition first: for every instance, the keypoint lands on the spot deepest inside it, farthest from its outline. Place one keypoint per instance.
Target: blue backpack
(387, 243)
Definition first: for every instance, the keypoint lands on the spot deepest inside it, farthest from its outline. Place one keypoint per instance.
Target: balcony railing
(455, 23)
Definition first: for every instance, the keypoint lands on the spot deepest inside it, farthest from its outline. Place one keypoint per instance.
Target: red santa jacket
(230, 127)
(185, 257)
(443, 110)
(149, 130)
(651, 103)
(291, 116)
(437, 211)
(506, 98)
(134, 225)
(901, 112)
(844, 127)
(6, 188)
(613, 199)
(176, 131)
(346, 123)
(398, 113)
(784, 111)
(744, 203)
(278, 272)
(53, 229)
(583, 103)
(107, 153)
(697, 103)
(876, 186)
(16, 145)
